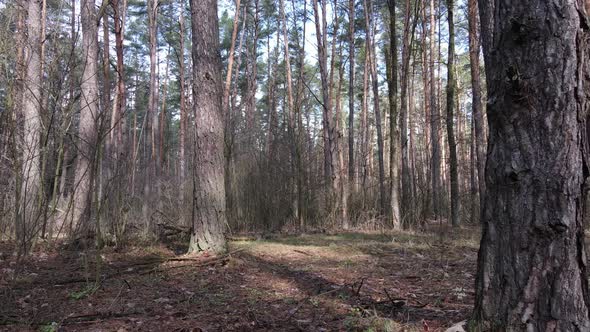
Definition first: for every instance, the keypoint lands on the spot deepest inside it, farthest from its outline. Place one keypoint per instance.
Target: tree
(434, 119)
(351, 51)
(87, 131)
(450, 117)
(30, 181)
(375, 84)
(208, 216)
(328, 127)
(476, 104)
(532, 261)
(392, 62)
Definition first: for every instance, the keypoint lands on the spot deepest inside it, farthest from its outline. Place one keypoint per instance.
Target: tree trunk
(351, 61)
(434, 120)
(119, 17)
(393, 119)
(328, 132)
(477, 108)
(153, 123)
(290, 111)
(407, 195)
(30, 180)
(450, 118)
(532, 260)
(183, 111)
(87, 131)
(373, 66)
(209, 219)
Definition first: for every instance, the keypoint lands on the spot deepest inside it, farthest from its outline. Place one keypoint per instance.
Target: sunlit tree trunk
(394, 152)
(532, 261)
(476, 104)
(209, 218)
(375, 84)
(351, 79)
(87, 130)
(328, 132)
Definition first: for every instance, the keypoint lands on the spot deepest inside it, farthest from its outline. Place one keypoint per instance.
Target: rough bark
(30, 70)
(209, 218)
(451, 90)
(87, 131)
(532, 261)
(119, 18)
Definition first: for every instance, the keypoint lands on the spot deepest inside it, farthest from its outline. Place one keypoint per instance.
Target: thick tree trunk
(209, 219)
(87, 131)
(31, 117)
(450, 118)
(532, 261)
(476, 104)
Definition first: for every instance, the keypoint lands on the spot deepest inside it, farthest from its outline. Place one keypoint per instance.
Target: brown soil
(343, 282)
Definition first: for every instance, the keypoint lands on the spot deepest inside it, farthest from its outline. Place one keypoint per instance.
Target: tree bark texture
(209, 218)
(532, 260)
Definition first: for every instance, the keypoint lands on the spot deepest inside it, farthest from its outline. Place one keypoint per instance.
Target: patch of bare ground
(398, 281)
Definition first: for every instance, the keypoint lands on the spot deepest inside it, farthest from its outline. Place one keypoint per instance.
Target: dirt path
(345, 282)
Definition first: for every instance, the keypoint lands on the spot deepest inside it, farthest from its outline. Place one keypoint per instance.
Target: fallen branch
(302, 252)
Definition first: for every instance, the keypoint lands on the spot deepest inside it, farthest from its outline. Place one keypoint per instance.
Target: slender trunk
(351, 62)
(163, 118)
(364, 148)
(290, 112)
(328, 132)
(373, 68)
(230, 60)
(119, 17)
(300, 130)
(434, 119)
(394, 136)
(183, 111)
(407, 195)
(476, 103)
(450, 118)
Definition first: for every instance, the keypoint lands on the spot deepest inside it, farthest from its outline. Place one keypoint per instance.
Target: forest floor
(397, 281)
